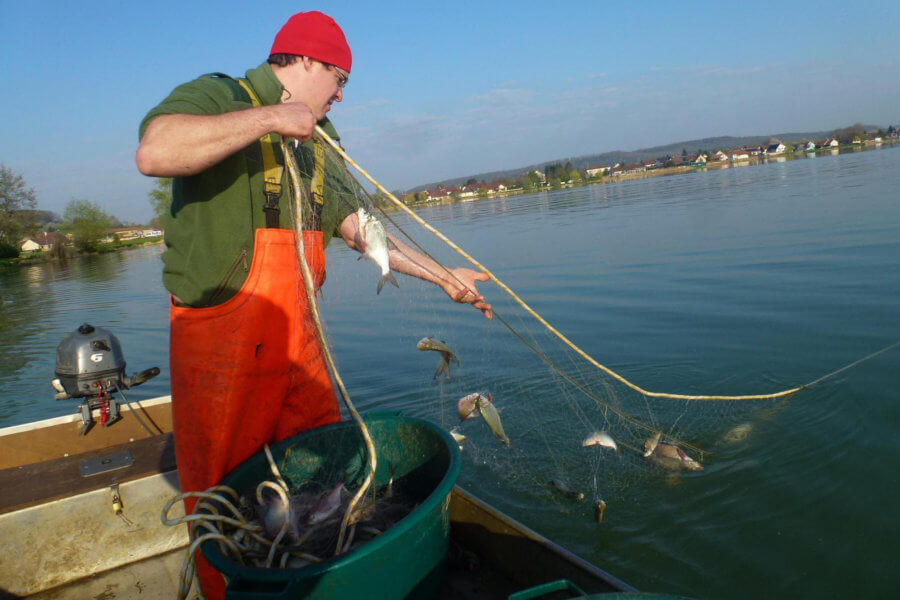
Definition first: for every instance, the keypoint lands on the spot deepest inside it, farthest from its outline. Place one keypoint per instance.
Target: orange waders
(247, 372)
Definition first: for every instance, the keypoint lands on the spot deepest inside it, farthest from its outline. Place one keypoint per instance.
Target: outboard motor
(90, 365)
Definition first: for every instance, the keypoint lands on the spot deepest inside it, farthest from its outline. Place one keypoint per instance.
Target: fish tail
(444, 366)
(387, 277)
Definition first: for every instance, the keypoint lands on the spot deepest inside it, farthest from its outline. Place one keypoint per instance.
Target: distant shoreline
(49, 257)
(668, 171)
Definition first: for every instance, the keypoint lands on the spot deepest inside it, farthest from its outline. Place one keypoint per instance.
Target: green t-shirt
(210, 228)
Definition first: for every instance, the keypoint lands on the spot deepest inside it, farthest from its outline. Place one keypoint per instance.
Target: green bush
(8, 251)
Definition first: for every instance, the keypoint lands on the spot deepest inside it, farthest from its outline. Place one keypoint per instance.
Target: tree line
(85, 222)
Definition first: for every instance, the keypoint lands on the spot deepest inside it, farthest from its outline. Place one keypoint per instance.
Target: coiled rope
(320, 132)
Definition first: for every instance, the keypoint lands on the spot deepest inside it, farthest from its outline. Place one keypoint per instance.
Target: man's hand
(467, 293)
(293, 119)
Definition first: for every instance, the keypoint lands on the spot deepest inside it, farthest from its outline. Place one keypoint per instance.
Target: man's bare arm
(180, 144)
(458, 283)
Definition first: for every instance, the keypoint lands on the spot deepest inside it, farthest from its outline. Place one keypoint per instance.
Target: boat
(80, 518)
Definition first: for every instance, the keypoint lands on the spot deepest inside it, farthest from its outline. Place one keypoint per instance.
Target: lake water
(738, 281)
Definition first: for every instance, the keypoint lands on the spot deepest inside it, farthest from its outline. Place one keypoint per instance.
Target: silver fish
(467, 407)
(673, 458)
(566, 491)
(491, 417)
(375, 245)
(602, 439)
(327, 505)
(457, 436)
(651, 442)
(273, 512)
(447, 356)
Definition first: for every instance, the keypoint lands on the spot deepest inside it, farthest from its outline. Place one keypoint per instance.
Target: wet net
(527, 406)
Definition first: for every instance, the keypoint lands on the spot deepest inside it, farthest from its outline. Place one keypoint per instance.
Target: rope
(553, 330)
(296, 205)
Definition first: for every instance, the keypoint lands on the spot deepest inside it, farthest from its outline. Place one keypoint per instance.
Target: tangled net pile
(277, 526)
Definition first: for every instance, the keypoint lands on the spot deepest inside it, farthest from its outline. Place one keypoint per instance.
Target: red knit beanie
(315, 35)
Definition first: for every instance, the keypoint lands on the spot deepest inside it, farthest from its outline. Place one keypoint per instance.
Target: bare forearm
(178, 145)
(458, 283)
(409, 261)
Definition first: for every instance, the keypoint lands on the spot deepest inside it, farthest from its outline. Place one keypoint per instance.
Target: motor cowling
(90, 365)
(88, 360)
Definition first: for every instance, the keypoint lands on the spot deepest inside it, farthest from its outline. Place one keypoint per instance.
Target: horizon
(424, 104)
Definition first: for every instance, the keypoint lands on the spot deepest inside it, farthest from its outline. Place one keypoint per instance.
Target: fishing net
(553, 426)
(550, 395)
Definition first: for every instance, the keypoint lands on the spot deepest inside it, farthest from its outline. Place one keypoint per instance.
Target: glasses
(342, 77)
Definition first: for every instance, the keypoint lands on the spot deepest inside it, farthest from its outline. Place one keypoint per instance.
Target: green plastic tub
(407, 560)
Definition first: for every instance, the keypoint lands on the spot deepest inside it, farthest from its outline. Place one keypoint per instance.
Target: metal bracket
(103, 464)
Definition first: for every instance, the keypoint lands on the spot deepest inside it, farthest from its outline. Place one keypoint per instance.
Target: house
(829, 143)
(29, 245)
(810, 146)
(753, 150)
(698, 161)
(633, 168)
(773, 149)
(598, 170)
(44, 241)
(720, 156)
(739, 154)
(438, 194)
(650, 163)
(149, 233)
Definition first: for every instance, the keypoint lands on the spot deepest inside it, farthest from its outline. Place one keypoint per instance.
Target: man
(245, 362)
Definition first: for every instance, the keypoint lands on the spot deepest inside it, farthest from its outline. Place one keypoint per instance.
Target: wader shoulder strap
(273, 170)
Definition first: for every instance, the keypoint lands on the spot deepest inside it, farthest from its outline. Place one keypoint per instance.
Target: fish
(273, 512)
(491, 417)
(599, 509)
(326, 506)
(651, 443)
(375, 245)
(447, 356)
(566, 491)
(738, 433)
(457, 436)
(467, 407)
(602, 439)
(673, 458)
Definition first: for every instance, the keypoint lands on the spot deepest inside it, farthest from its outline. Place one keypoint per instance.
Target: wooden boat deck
(67, 544)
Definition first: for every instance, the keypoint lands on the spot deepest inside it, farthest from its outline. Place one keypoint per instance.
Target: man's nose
(339, 96)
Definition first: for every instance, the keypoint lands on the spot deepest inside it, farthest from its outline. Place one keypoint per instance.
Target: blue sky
(441, 90)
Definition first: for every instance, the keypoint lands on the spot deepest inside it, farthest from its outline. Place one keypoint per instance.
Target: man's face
(316, 84)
